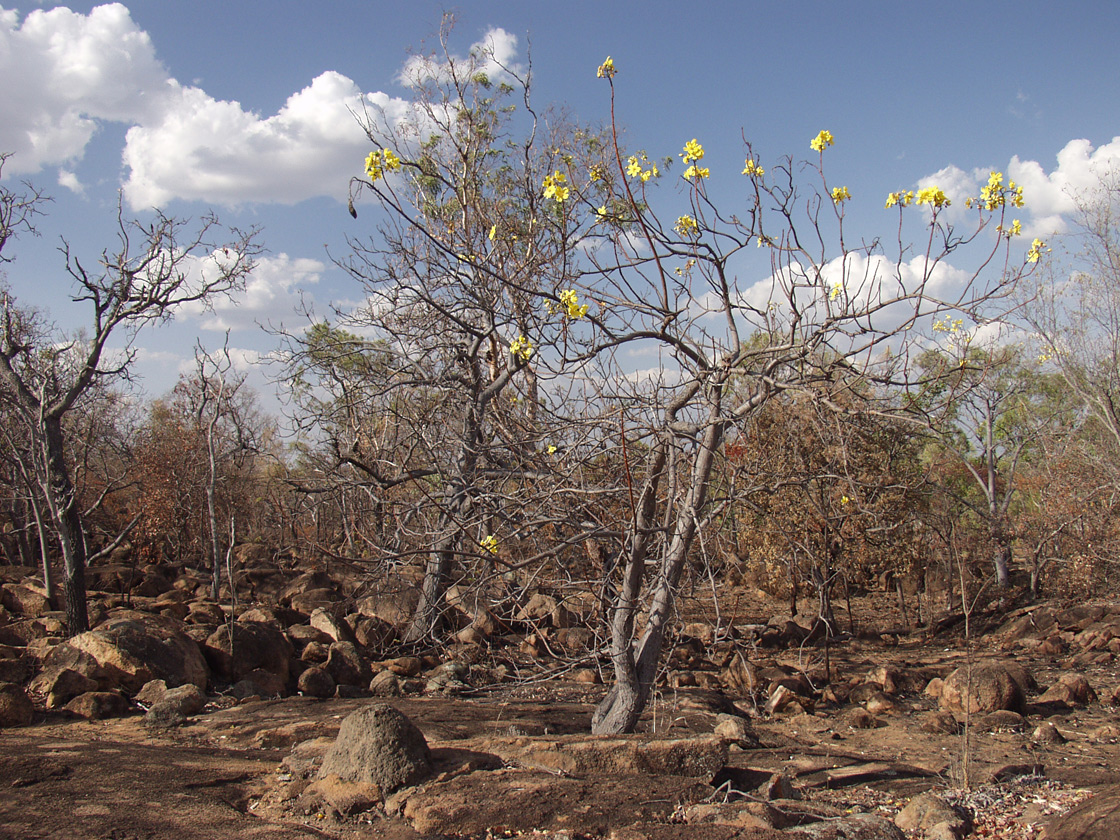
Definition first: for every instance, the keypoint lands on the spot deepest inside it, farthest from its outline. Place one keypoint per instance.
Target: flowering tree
(434, 393)
(850, 316)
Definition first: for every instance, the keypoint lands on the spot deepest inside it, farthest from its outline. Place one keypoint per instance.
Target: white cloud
(1051, 197)
(495, 52)
(70, 181)
(76, 72)
(215, 151)
(272, 293)
(63, 73)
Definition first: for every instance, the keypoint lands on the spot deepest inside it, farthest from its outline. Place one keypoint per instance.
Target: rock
(1071, 689)
(779, 786)
(1097, 818)
(316, 682)
(405, 666)
(740, 677)
(134, 648)
(581, 755)
(734, 729)
(98, 705)
(151, 693)
(860, 718)
(253, 646)
(301, 635)
(316, 653)
(58, 687)
(545, 609)
(385, 684)
(15, 706)
(987, 687)
(1003, 720)
(345, 798)
(23, 600)
(927, 810)
(377, 745)
(850, 827)
(781, 699)
(1047, 733)
(878, 703)
(266, 683)
(325, 621)
(940, 723)
(175, 706)
(346, 665)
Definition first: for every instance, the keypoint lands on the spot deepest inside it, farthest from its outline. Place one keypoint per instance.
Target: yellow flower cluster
(822, 141)
(996, 195)
(552, 448)
(900, 198)
(692, 151)
(1036, 249)
(489, 544)
(934, 196)
(753, 169)
(840, 195)
(1016, 229)
(521, 348)
(556, 186)
(635, 167)
(570, 301)
(837, 289)
(947, 325)
(686, 226)
(380, 162)
(606, 69)
(697, 172)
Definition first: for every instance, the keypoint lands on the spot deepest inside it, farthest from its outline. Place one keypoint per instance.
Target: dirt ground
(222, 774)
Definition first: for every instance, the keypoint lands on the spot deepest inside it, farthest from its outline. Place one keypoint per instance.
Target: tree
(1075, 309)
(674, 289)
(431, 394)
(156, 268)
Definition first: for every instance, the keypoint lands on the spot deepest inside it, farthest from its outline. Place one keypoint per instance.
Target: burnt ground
(222, 774)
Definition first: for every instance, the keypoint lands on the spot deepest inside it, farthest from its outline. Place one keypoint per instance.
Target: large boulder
(983, 687)
(377, 745)
(235, 652)
(133, 648)
(1097, 818)
(15, 706)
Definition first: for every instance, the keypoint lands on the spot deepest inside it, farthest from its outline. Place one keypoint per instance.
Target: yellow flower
(837, 288)
(634, 168)
(521, 348)
(606, 69)
(840, 195)
(1036, 250)
(552, 449)
(753, 169)
(844, 500)
(556, 186)
(934, 196)
(899, 198)
(692, 151)
(1016, 228)
(686, 226)
(493, 232)
(570, 301)
(822, 141)
(697, 172)
(379, 162)
(489, 544)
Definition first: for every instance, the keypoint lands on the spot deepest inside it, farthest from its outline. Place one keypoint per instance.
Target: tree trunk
(635, 666)
(68, 523)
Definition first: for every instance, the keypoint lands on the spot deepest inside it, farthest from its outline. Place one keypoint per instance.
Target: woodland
(576, 375)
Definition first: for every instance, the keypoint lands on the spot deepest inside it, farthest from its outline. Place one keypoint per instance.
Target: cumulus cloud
(74, 70)
(78, 72)
(211, 150)
(272, 293)
(496, 54)
(1051, 197)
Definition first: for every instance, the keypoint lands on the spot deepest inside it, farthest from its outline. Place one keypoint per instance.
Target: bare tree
(156, 268)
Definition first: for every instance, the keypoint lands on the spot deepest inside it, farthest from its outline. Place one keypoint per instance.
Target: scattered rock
(985, 687)
(378, 746)
(98, 705)
(316, 682)
(235, 651)
(928, 812)
(1071, 689)
(1047, 733)
(385, 684)
(1097, 818)
(15, 706)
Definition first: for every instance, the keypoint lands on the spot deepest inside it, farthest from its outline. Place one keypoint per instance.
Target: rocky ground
(163, 722)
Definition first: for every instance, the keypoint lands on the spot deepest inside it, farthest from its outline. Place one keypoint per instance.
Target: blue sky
(242, 108)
